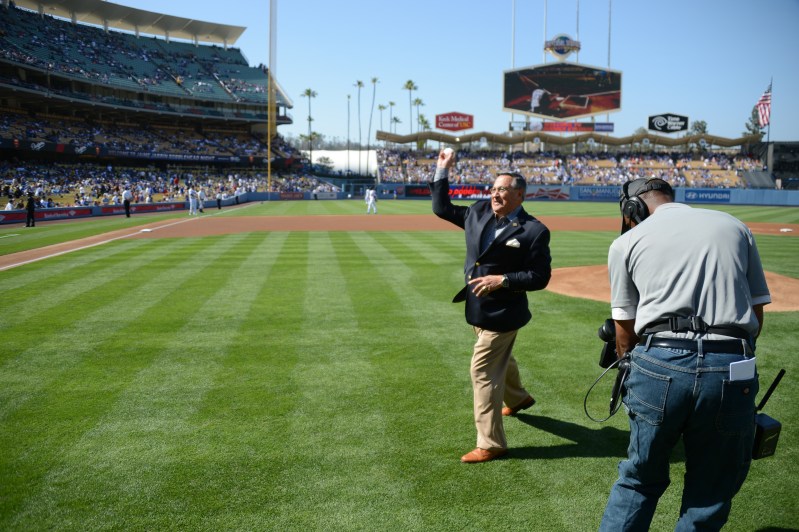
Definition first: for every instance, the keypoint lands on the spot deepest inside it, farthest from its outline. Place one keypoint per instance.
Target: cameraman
(687, 297)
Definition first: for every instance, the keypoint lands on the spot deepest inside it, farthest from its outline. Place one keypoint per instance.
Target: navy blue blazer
(521, 252)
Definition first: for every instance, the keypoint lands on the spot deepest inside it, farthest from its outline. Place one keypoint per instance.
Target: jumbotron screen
(562, 91)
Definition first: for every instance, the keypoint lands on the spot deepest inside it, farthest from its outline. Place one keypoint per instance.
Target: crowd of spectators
(85, 184)
(91, 184)
(116, 58)
(134, 137)
(472, 167)
(707, 170)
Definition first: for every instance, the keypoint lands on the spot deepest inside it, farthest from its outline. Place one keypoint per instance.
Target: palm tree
(359, 84)
(395, 120)
(391, 113)
(310, 138)
(424, 124)
(391, 116)
(410, 86)
(381, 108)
(417, 102)
(369, 129)
(309, 93)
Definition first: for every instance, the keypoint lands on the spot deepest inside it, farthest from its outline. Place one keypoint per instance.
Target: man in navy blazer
(507, 255)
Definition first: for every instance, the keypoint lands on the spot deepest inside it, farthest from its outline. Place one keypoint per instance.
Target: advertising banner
(324, 195)
(536, 192)
(41, 215)
(562, 46)
(547, 193)
(598, 193)
(575, 127)
(455, 191)
(162, 156)
(707, 196)
(96, 150)
(454, 121)
(141, 208)
(291, 195)
(668, 123)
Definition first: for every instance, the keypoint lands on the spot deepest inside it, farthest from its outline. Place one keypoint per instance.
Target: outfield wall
(693, 196)
(720, 196)
(66, 213)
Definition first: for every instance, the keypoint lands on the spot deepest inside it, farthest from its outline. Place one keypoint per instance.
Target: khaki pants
(495, 379)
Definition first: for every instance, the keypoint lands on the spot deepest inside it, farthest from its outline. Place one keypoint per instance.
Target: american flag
(764, 107)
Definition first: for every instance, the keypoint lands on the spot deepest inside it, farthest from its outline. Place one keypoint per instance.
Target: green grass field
(318, 381)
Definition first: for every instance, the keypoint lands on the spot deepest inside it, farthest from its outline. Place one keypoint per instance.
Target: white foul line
(64, 252)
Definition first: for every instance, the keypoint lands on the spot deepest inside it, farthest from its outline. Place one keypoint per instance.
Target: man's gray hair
(519, 182)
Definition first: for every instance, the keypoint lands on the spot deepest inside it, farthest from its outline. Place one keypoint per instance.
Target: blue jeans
(671, 393)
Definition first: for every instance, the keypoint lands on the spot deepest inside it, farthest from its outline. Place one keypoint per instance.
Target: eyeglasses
(494, 190)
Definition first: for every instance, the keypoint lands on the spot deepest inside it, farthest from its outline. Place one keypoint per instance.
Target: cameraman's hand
(626, 339)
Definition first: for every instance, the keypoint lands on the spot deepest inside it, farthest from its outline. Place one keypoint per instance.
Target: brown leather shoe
(524, 405)
(482, 455)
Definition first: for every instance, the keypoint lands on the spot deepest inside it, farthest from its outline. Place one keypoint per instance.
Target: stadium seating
(710, 171)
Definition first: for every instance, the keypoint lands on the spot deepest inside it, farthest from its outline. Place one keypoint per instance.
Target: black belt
(694, 324)
(710, 346)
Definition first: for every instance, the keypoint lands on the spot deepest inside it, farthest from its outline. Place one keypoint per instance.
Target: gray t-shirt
(682, 261)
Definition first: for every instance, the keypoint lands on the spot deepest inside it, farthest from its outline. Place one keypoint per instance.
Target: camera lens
(607, 331)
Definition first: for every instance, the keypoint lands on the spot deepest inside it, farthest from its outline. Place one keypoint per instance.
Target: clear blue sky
(708, 59)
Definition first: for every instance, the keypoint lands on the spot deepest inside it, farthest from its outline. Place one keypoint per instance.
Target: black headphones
(632, 206)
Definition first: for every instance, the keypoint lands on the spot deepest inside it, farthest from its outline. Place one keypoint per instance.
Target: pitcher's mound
(591, 282)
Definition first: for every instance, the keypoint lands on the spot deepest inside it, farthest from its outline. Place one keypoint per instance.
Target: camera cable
(623, 366)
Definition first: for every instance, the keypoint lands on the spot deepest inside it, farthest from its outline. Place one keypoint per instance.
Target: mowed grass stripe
(155, 439)
(438, 362)
(447, 425)
(99, 355)
(242, 448)
(427, 381)
(336, 439)
(579, 248)
(77, 327)
(779, 255)
(440, 255)
(94, 274)
(56, 275)
(434, 248)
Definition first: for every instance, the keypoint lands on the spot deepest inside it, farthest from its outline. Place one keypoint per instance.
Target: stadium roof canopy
(558, 140)
(110, 15)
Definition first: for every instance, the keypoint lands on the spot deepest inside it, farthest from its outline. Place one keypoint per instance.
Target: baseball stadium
(241, 347)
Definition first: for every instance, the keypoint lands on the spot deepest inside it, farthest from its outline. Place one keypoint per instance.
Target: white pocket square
(513, 243)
